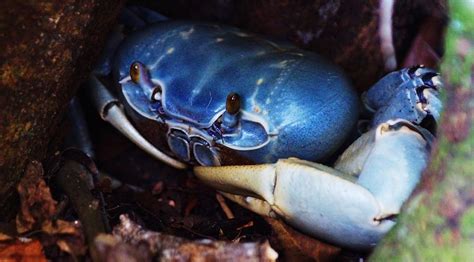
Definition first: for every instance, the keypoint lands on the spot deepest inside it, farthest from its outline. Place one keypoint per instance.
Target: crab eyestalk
(230, 119)
(140, 76)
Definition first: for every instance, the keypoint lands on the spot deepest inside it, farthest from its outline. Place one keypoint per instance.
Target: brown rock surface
(47, 48)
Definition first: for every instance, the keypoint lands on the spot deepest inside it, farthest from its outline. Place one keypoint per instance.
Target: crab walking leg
(410, 93)
(346, 210)
(111, 111)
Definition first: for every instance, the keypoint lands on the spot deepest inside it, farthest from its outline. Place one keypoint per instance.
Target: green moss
(466, 223)
(423, 232)
(461, 28)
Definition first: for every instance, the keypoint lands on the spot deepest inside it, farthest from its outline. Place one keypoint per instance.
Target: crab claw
(111, 111)
(353, 209)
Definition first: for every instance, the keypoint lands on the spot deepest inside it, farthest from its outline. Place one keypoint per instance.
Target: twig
(71, 178)
(386, 34)
(128, 237)
(224, 206)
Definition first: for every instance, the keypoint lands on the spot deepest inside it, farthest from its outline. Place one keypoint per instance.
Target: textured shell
(307, 102)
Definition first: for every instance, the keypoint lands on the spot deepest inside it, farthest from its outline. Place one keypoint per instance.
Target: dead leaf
(38, 208)
(72, 246)
(22, 251)
(67, 235)
(297, 246)
(4, 237)
(62, 227)
(37, 204)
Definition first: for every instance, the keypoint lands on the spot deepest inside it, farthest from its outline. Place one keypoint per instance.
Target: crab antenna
(230, 118)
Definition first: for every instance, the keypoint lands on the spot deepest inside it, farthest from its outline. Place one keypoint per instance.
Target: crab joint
(230, 118)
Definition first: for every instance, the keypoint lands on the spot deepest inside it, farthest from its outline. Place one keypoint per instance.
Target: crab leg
(111, 111)
(410, 94)
(347, 210)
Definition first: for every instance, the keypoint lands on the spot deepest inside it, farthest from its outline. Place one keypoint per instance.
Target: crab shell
(293, 103)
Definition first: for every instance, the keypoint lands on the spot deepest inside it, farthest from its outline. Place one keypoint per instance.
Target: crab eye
(232, 104)
(135, 72)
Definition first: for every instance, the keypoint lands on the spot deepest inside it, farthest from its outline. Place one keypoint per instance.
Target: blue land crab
(254, 116)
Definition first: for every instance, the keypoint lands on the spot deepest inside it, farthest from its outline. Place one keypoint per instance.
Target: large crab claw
(352, 205)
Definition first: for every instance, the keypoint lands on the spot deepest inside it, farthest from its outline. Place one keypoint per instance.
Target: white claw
(251, 180)
(395, 164)
(306, 196)
(351, 209)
